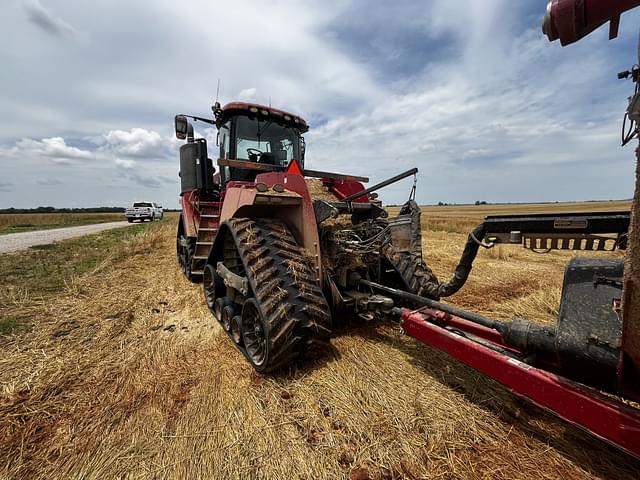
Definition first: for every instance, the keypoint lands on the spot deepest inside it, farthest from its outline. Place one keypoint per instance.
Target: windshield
(141, 204)
(266, 142)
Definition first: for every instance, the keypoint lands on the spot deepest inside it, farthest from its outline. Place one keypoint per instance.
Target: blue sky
(470, 92)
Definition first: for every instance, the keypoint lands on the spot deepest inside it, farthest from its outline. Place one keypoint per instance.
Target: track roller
(236, 329)
(228, 312)
(218, 308)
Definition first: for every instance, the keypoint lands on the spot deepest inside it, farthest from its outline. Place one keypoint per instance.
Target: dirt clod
(286, 395)
(345, 458)
(360, 474)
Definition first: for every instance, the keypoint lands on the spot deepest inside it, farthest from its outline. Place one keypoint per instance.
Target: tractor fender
(293, 207)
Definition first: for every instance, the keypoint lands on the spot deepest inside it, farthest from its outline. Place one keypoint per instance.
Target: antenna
(217, 111)
(269, 101)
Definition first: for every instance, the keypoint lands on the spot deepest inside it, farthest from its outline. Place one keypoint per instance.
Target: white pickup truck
(144, 211)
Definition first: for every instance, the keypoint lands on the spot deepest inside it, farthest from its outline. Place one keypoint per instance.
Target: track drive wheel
(285, 314)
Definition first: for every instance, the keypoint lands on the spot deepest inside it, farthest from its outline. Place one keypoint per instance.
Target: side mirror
(182, 127)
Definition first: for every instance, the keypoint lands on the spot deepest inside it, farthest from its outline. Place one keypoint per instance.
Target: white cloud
(137, 142)
(507, 121)
(248, 94)
(55, 148)
(124, 164)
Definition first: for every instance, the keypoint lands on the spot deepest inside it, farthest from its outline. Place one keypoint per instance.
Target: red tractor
(277, 252)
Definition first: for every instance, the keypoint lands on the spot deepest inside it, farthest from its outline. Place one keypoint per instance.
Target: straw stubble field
(125, 375)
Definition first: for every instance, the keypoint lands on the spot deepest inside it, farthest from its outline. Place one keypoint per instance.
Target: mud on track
(127, 376)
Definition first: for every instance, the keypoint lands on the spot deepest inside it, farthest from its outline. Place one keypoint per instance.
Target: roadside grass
(26, 222)
(29, 277)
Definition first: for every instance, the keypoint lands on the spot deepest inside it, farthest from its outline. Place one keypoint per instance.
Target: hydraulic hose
(464, 266)
(436, 289)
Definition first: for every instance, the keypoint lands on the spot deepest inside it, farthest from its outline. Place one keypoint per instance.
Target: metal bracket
(232, 280)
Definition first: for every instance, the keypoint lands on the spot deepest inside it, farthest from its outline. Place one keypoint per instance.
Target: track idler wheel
(254, 334)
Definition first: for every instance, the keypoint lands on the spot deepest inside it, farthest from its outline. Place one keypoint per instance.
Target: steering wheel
(254, 151)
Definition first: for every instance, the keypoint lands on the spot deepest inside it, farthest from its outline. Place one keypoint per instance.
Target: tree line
(63, 210)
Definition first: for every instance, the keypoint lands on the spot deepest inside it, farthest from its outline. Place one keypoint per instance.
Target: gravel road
(23, 240)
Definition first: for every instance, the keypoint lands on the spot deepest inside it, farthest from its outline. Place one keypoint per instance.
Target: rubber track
(418, 277)
(285, 288)
(190, 252)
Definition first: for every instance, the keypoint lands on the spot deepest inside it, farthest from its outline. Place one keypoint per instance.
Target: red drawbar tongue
(294, 167)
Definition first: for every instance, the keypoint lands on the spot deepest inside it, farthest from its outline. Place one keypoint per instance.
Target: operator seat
(281, 157)
(267, 158)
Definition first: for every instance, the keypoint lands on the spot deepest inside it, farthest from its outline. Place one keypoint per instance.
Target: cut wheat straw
(129, 377)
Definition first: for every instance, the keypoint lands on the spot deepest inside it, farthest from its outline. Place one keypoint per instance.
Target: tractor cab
(251, 139)
(256, 134)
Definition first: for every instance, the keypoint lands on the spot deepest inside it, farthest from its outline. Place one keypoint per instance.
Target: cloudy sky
(470, 92)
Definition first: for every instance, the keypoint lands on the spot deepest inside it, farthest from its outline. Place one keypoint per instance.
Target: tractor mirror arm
(200, 119)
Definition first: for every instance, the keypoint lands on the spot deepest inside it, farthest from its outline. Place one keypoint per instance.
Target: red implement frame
(602, 416)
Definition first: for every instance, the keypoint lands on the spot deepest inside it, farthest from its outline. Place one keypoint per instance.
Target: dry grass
(129, 377)
(506, 281)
